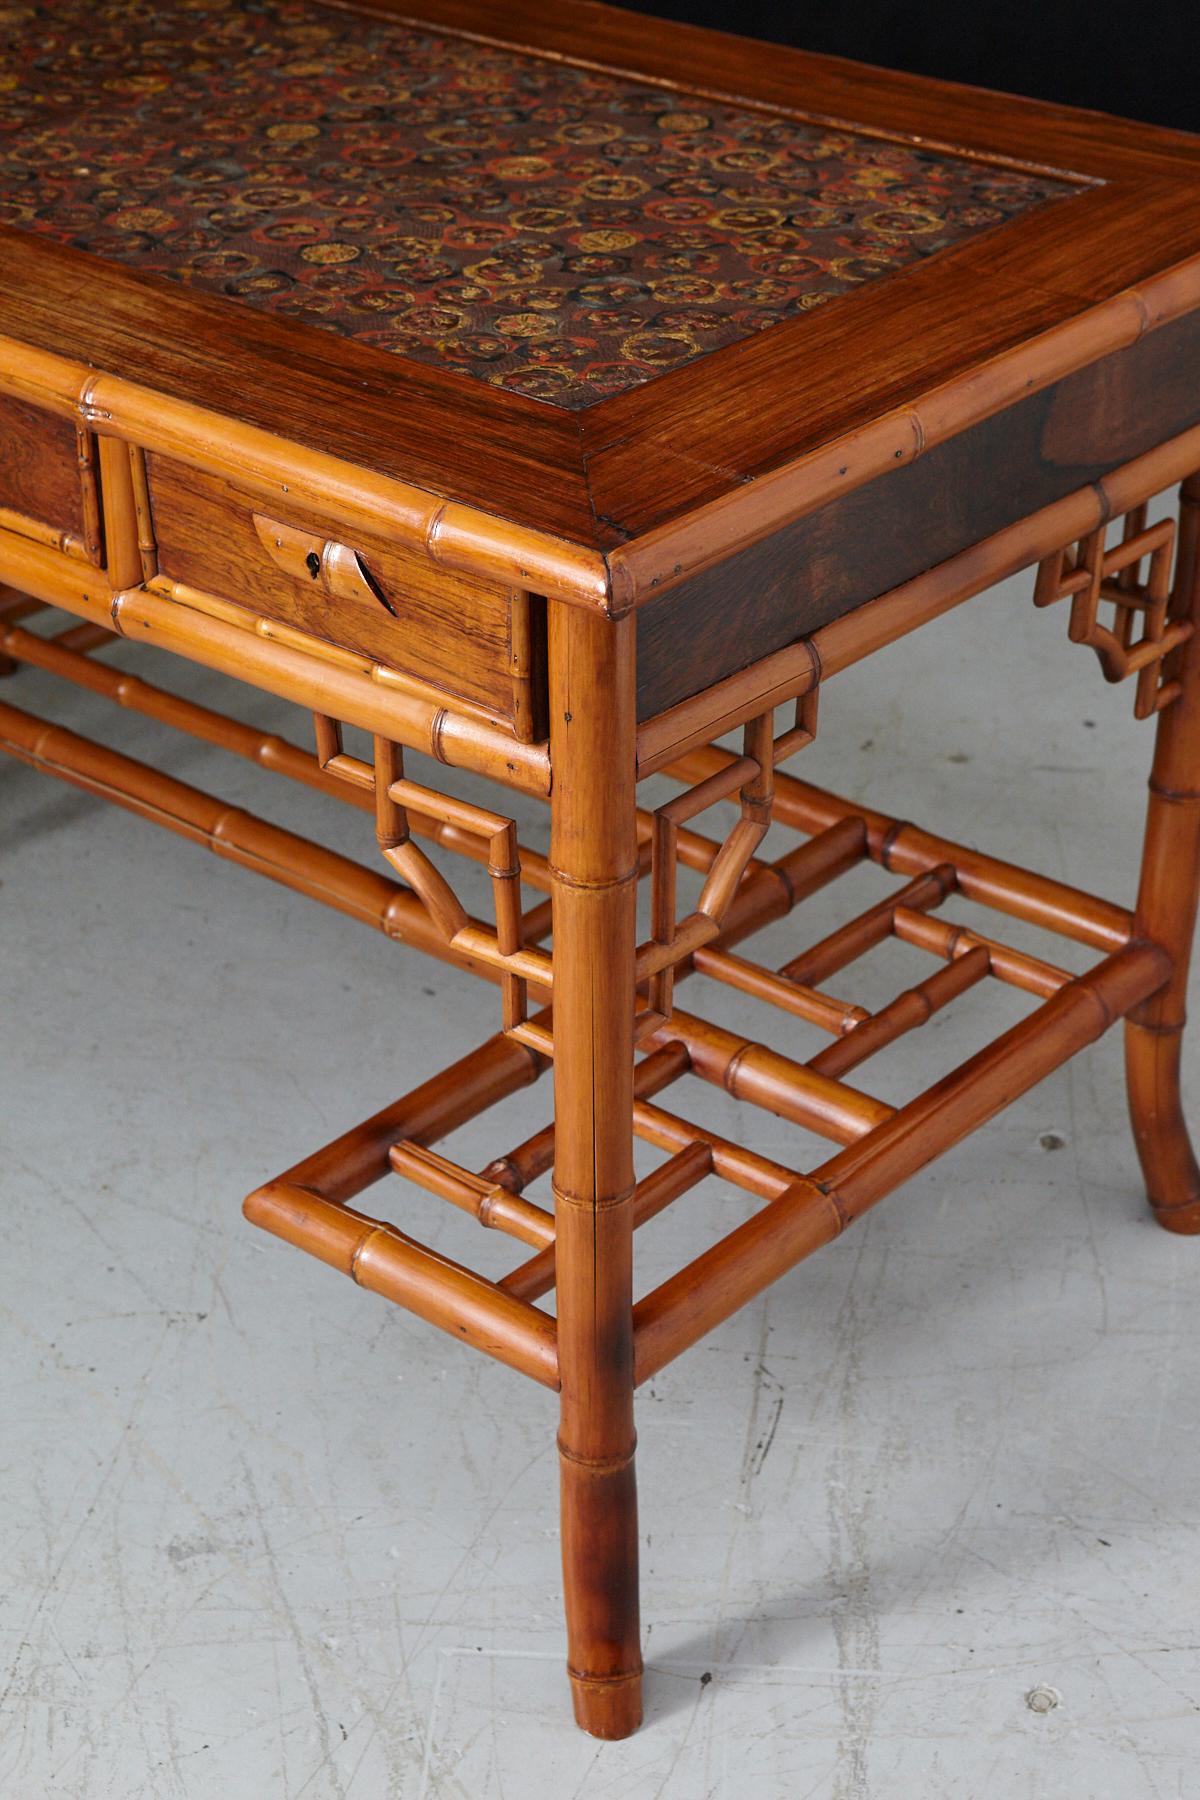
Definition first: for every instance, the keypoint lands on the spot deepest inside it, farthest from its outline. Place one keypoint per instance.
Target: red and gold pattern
(554, 231)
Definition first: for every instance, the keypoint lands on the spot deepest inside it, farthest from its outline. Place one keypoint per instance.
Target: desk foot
(1152, 1066)
(607, 1709)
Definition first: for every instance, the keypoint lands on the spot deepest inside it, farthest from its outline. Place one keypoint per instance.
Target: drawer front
(40, 475)
(358, 592)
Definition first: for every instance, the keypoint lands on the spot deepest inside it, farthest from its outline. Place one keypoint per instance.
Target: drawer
(44, 471)
(468, 637)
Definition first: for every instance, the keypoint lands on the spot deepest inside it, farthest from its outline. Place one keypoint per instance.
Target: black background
(1142, 60)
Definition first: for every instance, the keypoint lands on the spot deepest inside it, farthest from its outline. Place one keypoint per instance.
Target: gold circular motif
(327, 254)
(526, 325)
(520, 168)
(658, 347)
(607, 240)
(683, 122)
(613, 187)
(142, 218)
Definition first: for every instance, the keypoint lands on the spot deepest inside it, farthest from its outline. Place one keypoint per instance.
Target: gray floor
(264, 1536)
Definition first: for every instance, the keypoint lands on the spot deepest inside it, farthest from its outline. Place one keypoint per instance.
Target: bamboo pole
(122, 528)
(384, 1260)
(660, 559)
(523, 1164)
(688, 1166)
(61, 656)
(1166, 911)
(736, 1163)
(342, 1169)
(238, 836)
(907, 1012)
(454, 536)
(45, 574)
(350, 690)
(51, 537)
(303, 670)
(486, 1201)
(594, 854)
(750, 1071)
(1015, 967)
(904, 849)
(798, 667)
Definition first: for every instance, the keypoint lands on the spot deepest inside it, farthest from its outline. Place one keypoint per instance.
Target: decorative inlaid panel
(555, 231)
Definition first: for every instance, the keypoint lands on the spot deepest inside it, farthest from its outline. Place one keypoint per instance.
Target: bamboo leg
(1166, 914)
(594, 857)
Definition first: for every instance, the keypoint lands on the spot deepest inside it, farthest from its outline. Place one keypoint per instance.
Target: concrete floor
(266, 1538)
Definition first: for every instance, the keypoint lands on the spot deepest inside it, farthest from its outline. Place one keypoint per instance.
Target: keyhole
(312, 563)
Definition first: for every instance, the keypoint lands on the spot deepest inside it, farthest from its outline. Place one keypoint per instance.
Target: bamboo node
(598, 1465)
(591, 1204)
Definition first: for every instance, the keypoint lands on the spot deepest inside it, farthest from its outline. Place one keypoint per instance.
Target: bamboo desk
(553, 391)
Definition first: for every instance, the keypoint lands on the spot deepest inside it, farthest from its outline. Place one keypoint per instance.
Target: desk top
(555, 231)
(631, 285)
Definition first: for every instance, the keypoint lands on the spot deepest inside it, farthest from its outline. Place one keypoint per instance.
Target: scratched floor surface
(264, 1538)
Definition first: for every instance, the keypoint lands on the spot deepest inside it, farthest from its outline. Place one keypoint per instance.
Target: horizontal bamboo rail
(452, 535)
(797, 668)
(379, 1257)
(659, 559)
(815, 1209)
(907, 850)
(908, 1011)
(857, 936)
(62, 656)
(240, 837)
(65, 542)
(778, 990)
(1012, 966)
(340, 1170)
(308, 1206)
(750, 1071)
(351, 689)
(745, 1168)
(494, 1206)
(358, 695)
(770, 682)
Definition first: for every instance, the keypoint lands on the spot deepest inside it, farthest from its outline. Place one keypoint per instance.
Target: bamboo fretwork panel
(1090, 575)
(396, 800)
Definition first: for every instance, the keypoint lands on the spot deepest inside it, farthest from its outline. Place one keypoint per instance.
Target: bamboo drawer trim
(21, 525)
(48, 478)
(361, 594)
(355, 692)
(453, 536)
(324, 679)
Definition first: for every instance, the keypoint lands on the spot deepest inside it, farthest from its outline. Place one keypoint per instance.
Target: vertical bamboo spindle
(1166, 911)
(594, 860)
(122, 552)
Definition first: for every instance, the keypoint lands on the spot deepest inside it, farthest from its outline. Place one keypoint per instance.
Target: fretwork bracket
(402, 806)
(751, 779)
(1090, 575)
